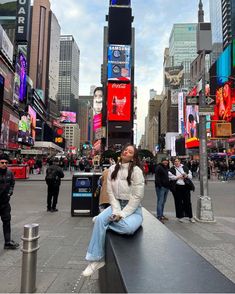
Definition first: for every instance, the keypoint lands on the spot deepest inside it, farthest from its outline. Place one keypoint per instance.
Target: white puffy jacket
(118, 189)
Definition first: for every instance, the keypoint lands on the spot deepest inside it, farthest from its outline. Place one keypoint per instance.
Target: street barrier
(29, 258)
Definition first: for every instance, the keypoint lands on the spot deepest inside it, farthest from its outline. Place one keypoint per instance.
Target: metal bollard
(29, 258)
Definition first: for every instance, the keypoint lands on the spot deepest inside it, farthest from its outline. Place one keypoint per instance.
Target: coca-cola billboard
(119, 102)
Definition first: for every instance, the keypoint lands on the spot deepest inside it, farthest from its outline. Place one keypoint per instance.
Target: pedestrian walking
(162, 187)
(125, 186)
(54, 173)
(181, 193)
(7, 183)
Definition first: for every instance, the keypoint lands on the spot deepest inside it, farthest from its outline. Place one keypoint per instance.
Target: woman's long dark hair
(135, 162)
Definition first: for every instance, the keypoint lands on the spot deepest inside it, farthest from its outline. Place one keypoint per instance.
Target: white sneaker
(182, 220)
(192, 220)
(92, 268)
(94, 218)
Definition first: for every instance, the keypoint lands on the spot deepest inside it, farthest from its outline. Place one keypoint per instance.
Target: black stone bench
(154, 260)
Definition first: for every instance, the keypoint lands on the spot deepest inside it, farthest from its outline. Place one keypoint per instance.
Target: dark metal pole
(203, 139)
(204, 203)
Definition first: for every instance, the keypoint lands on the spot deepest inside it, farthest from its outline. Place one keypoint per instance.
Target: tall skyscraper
(182, 43)
(216, 28)
(183, 47)
(228, 21)
(54, 56)
(39, 49)
(68, 73)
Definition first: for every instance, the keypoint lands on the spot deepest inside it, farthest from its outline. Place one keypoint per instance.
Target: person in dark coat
(7, 183)
(54, 173)
(181, 193)
(162, 187)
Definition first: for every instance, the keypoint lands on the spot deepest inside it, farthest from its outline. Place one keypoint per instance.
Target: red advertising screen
(119, 102)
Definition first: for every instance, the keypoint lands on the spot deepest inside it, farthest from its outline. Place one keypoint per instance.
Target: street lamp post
(204, 203)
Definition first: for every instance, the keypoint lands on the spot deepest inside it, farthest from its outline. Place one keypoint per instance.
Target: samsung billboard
(119, 62)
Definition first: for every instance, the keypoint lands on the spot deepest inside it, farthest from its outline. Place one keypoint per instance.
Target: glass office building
(183, 47)
(182, 43)
(216, 29)
(68, 72)
(228, 21)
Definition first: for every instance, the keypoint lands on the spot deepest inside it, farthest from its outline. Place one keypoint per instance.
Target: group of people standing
(167, 179)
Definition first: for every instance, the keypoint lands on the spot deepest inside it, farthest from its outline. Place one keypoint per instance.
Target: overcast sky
(153, 21)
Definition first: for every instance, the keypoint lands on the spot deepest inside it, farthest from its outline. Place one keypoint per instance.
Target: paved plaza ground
(64, 239)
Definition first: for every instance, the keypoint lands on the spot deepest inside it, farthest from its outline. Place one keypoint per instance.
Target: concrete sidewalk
(64, 239)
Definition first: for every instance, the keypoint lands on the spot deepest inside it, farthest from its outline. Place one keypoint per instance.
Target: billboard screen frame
(119, 102)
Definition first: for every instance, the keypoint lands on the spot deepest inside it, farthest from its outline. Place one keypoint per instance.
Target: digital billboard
(33, 115)
(225, 106)
(98, 100)
(97, 121)
(20, 78)
(67, 117)
(119, 102)
(8, 76)
(233, 57)
(9, 131)
(24, 133)
(119, 62)
(13, 132)
(224, 65)
(191, 121)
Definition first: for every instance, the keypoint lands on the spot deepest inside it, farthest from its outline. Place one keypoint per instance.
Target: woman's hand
(115, 218)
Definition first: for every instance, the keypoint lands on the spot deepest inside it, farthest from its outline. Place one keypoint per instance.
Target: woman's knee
(131, 227)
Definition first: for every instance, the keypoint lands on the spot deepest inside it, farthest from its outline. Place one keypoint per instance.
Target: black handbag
(189, 184)
(172, 186)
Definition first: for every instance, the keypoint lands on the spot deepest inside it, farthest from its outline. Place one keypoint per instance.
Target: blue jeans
(128, 225)
(161, 200)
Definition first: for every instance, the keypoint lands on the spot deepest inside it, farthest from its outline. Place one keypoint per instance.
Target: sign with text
(119, 102)
(192, 100)
(223, 130)
(119, 67)
(22, 20)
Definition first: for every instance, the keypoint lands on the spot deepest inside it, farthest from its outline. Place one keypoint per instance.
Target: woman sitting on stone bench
(125, 188)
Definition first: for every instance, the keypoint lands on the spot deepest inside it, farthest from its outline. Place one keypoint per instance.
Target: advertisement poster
(33, 115)
(119, 63)
(119, 102)
(98, 100)
(174, 76)
(223, 110)
(9, 131)
(97, 121)
(20, 78)
(24, 133)
(67, 117)
(192, 121)
(9, 81)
